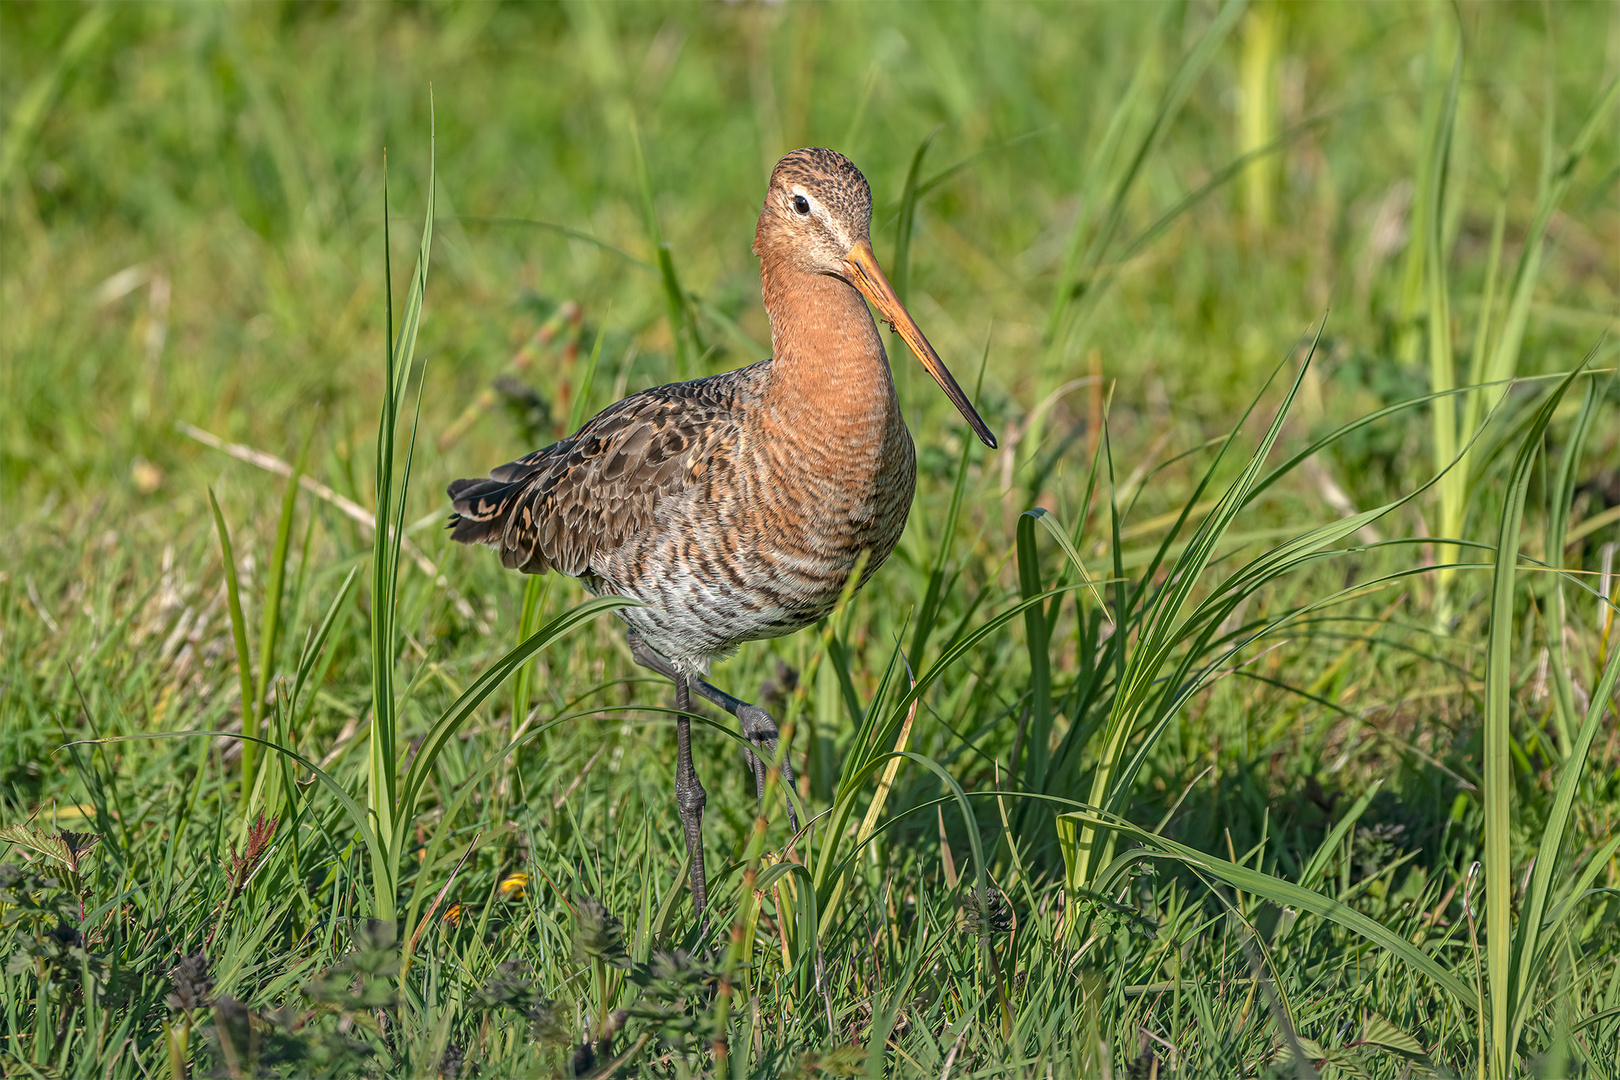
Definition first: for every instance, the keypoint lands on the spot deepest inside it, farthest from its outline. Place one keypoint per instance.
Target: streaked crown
(818, 206)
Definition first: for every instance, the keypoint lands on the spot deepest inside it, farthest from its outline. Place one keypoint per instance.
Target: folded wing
(559, 507)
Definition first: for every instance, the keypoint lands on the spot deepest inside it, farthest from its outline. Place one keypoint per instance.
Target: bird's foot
(760, 731)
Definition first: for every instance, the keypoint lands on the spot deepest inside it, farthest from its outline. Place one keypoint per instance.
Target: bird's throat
(829, 371)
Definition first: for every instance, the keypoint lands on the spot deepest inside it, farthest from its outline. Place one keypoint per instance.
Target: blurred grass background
(237, 152)
(193, 234)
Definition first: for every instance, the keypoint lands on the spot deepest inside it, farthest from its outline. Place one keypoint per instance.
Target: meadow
(1251, 711)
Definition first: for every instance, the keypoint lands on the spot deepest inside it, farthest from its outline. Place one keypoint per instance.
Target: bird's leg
(689, 793)
(756, 724)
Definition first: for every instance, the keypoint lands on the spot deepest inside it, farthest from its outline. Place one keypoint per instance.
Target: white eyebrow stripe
(816, 209)
(820, 213)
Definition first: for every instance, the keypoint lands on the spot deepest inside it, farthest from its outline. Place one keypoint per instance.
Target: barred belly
(717, 573)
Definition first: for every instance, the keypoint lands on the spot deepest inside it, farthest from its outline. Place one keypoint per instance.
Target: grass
(1250, 712)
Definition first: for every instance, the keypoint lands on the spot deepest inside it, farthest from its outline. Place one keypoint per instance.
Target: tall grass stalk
(392, 794)
(1163, 626)
(1262, 31)
(383, 743)
(1440, 107)
(1498, 342)
(1515, 959)
(270, 625)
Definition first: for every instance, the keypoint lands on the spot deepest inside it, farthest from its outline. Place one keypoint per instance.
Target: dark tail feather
(481, 507)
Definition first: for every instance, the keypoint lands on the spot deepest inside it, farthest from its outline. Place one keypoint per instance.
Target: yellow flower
(452, 914)
(514, 885)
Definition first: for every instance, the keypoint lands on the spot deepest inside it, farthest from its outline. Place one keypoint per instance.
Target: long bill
(861, 267)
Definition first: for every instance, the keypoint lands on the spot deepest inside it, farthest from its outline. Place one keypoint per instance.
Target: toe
(759, 774)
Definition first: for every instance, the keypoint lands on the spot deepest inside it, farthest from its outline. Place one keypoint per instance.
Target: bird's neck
(829, 372)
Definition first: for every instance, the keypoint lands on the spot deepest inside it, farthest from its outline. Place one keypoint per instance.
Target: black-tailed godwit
(735, 507)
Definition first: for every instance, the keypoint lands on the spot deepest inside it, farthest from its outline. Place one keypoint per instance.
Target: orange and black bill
(864, 273)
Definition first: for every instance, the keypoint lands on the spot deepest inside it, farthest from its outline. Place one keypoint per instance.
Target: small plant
(67, 849)
(239, 869)
(314, 1032)
(41, 917)
(193, 995)
(513, 988)
(244, 1043)
(364, 979)
(986, 912)
(676, 988)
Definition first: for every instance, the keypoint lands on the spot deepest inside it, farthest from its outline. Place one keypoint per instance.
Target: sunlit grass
(1201, 769)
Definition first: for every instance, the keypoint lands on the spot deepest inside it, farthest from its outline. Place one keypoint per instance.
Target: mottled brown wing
(557, 507)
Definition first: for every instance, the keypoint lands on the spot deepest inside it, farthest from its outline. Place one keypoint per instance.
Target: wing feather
(559, 507)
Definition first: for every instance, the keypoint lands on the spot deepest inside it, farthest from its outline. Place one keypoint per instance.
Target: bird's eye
(801, 206)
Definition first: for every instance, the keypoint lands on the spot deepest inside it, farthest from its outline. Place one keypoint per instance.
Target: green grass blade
(1505, 356)
(1598, 861)
(1287, 894)
(1497, 767)
(934, 593)
(233, 595)
(1531, 917)
(445, 727)
(1437, 300)
(380, 742)
(1036, 633)
(536, 591)
(388, 534)
(1070, 552)
(270, 622)
(1533, 921)
(900, 268)
(1557, 530)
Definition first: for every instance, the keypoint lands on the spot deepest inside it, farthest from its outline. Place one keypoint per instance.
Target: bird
(736, 507)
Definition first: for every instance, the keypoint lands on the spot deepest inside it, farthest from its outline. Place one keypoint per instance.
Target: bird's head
(818, 209)
(817, 219)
